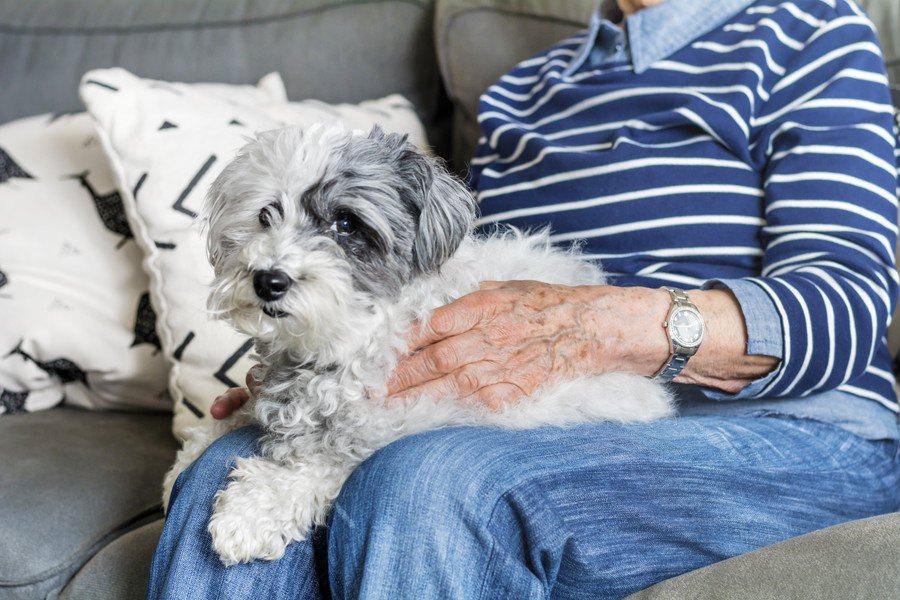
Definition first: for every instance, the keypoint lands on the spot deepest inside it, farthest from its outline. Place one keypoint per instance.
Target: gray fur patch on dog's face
(366, 206)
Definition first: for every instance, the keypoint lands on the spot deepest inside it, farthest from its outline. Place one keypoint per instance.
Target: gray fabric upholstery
(853, 560)
(479, 40)
(70, 481)
(119, 571)
(331, 50)
(886, 16)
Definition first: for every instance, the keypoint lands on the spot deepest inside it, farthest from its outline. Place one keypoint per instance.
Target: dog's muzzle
(271, 285)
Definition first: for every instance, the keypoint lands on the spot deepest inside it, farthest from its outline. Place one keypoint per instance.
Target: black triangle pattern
(179, 351)
(62, 368)
(236, 122)
(137, 186)
(168, 125)
(55, 116)
(222, 373)
(9, 168)
(192, 407)
(3, 279)
(109, 207)
(13, 402)
(145, 324)
(179, 203)
(101, 84)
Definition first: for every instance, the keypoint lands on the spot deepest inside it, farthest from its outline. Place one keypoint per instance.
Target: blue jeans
(593, 511)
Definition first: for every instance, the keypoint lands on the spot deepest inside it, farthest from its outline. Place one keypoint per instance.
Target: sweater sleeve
(826, 143)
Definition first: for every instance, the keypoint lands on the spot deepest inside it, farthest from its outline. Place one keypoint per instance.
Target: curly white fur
(328, 354)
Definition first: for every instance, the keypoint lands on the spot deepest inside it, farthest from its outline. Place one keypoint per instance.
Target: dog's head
(308, 228)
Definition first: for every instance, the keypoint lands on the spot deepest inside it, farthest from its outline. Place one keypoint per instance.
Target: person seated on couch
(739, 149)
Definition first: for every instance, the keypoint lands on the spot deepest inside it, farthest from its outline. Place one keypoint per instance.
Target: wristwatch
(685, 328)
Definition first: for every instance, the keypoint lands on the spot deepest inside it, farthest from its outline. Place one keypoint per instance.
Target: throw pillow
(164, 173)
(77, 322)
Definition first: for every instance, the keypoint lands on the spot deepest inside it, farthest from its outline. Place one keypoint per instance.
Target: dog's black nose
(270, 285)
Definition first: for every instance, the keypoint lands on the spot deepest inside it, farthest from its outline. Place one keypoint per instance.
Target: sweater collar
(659, 31)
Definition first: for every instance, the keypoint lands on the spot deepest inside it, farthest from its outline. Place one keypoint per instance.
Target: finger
(455, 318)
(233, 398)
(254, 378)
(437, 360)
(463, 382)
(497, 396)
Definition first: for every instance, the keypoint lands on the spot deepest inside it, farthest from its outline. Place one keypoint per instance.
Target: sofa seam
(51, 30)
(82, 554)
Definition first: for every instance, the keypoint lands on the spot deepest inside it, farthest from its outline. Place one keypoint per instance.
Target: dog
(327, 247)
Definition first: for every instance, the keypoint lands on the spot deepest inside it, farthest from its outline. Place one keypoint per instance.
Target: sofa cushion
(79, 324)
(332, 50)
(480, 40)
(853, 560)
(70, 481)
(119, 571)
(886, 16)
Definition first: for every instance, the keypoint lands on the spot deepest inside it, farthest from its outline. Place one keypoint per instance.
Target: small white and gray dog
(327, 247)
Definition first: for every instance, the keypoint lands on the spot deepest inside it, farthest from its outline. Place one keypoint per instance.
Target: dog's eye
(344, 223)
(268, 214)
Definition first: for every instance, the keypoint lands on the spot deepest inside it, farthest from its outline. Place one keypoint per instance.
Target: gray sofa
(79, 491)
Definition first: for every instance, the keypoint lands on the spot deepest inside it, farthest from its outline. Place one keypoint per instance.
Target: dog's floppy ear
(445, 205)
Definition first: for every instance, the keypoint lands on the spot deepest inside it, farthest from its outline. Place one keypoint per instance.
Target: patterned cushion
(78, 324)
(167, 142)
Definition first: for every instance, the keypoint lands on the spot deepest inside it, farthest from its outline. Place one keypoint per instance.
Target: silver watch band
(680, 355)
(672, 368)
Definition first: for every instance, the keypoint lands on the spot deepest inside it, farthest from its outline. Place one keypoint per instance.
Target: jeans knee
(426, 499)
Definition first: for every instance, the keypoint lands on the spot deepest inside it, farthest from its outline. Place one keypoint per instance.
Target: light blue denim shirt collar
(652, 33)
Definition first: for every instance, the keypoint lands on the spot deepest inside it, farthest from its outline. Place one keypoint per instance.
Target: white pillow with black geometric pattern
(165, 173)
(76, 323)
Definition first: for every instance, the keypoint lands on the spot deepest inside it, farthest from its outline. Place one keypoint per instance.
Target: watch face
(686, 327)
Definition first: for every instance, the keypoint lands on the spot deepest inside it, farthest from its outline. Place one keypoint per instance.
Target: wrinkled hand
(234, 398)
(499, 344)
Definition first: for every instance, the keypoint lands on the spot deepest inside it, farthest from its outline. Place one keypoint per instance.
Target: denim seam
(500, 499)
(493, 542)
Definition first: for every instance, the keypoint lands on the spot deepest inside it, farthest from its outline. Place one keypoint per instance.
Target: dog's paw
(246, 526)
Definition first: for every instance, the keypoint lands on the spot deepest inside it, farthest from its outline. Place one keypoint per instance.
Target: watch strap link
(672, 368)
(678, 295)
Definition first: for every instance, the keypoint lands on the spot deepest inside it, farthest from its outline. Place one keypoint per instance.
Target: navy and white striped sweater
(735, 141)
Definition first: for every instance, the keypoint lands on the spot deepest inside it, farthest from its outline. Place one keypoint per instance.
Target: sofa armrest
(852, 560)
